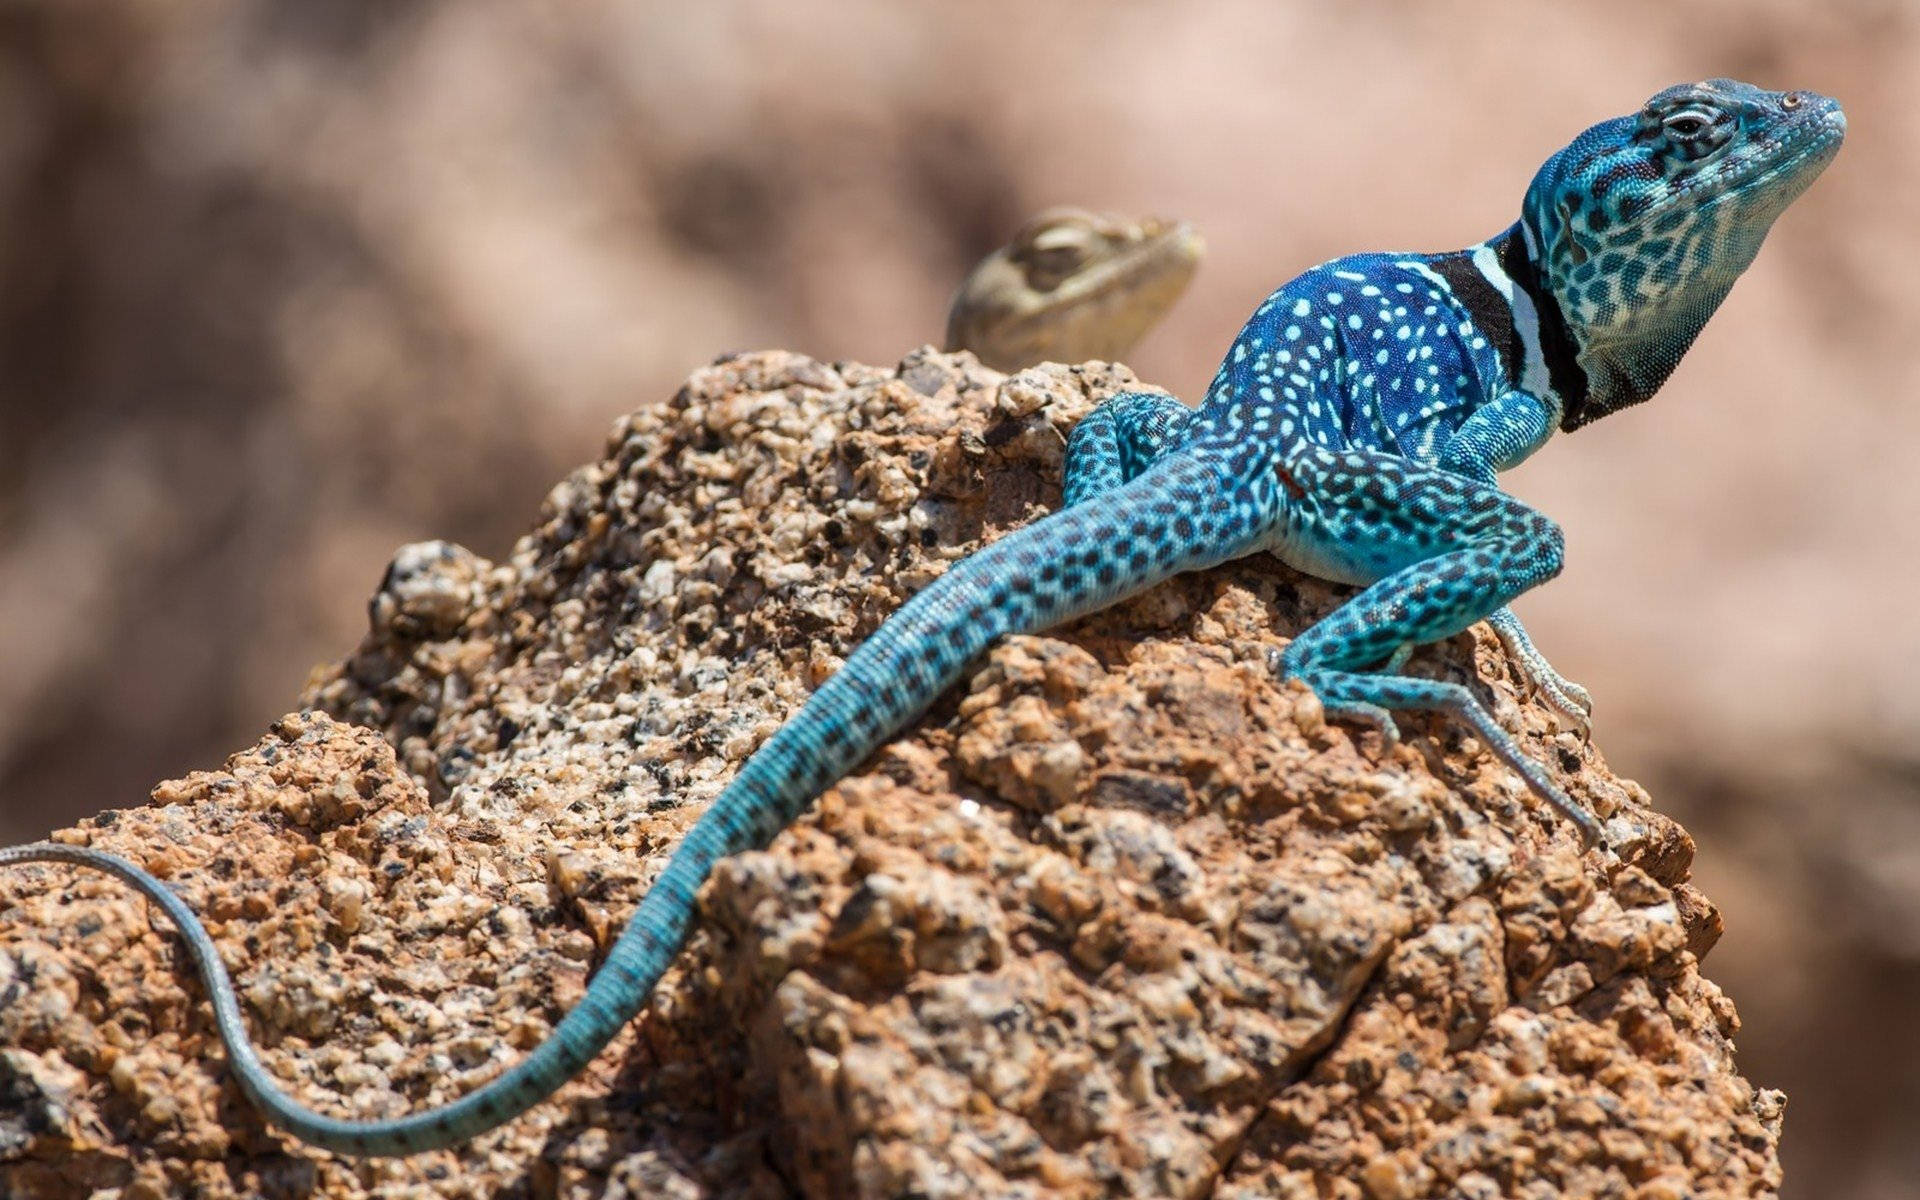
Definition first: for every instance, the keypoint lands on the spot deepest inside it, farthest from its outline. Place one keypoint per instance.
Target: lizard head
(1072, 285)
(1640, 227)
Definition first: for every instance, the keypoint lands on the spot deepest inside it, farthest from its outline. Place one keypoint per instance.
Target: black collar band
(1557, 346)
(1493, 317)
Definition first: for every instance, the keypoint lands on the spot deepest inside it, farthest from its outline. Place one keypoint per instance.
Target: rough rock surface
(1121, 916)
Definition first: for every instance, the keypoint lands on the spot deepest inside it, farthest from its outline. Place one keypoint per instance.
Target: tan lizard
(1072, 285)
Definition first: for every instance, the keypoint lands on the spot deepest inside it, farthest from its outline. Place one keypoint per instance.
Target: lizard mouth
(1798, 150)
(1111, 305)
(1172, 247)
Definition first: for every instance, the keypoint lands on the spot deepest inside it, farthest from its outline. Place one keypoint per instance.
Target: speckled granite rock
(1121, 916)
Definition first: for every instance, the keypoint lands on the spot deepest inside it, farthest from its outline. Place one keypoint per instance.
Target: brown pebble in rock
(1122, 916)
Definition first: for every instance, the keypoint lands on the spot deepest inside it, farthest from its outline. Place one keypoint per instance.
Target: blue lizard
(1354, 430)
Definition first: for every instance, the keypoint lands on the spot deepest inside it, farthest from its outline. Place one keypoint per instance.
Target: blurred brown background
(284, 285)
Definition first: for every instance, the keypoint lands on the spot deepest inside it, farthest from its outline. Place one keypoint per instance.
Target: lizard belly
(1324, 557)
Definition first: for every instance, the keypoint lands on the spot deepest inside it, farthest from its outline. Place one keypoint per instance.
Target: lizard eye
(1051, 266)
(1054, 254)
(1687, 125)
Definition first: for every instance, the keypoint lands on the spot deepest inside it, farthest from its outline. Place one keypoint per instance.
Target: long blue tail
(1176, 517)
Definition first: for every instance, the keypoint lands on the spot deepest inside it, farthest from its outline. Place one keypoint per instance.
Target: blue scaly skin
(1354, 430)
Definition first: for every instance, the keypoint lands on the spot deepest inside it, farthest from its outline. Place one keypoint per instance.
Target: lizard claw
(1571, 701)
(1371, 715)
(1561, 694)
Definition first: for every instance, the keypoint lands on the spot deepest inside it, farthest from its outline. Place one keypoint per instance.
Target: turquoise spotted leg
(1118, 440)
(1441, 551)
(1498, 436)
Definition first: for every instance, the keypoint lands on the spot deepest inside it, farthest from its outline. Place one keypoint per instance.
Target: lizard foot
(1371, 715)
(1563, 695)
(1360, 712)
(1370, 698)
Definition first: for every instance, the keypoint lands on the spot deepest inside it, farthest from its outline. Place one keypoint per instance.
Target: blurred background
(284, 285)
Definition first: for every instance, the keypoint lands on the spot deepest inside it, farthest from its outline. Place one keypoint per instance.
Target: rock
(1121, 917)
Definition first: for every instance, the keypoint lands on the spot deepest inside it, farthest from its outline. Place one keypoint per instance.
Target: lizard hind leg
(1442, 552)
(1118, 440)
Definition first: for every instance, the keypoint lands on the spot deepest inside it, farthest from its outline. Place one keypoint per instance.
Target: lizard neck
(1559, 350)
(1600, 367)
(1505, 292)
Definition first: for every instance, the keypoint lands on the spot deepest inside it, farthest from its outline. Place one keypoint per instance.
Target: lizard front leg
(1499, 436)
(1440, 551)
(1118, 440)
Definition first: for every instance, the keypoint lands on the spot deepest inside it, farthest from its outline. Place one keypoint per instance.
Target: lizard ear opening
(1571, 244)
